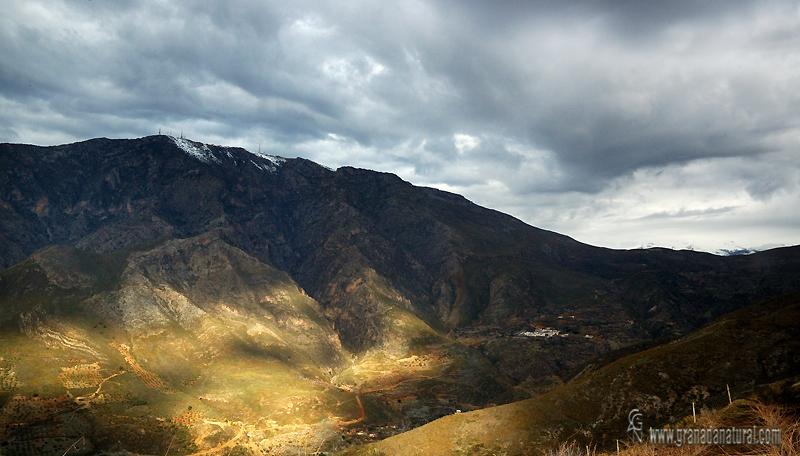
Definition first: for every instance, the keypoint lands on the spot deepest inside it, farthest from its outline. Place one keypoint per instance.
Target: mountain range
(160, 294)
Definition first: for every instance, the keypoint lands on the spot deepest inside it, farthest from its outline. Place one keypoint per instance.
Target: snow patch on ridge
(265, 166)
(202, 153)
(276, 160)
(273, 161)
(197, 150)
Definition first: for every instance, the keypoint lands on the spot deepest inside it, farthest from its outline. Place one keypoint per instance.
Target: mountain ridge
(349, 298)
(451, 262)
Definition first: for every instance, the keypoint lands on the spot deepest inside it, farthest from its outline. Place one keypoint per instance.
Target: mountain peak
(197, 150)
(208, 153)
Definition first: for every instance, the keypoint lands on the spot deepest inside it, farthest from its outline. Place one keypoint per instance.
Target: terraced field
(150, 379)
(81, 376)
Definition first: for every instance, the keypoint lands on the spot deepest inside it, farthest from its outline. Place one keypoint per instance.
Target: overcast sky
(619, 123)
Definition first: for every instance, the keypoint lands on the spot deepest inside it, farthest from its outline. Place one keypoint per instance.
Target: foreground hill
(754, 346)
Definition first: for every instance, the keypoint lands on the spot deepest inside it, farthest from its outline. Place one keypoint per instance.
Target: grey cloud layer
(507, 100)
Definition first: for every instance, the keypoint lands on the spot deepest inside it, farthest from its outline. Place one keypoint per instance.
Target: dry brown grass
(772, 416)
(740, 414)
(572, 449)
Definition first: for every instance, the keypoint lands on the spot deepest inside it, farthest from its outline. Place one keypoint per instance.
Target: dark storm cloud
(523, 105)
(641, 17)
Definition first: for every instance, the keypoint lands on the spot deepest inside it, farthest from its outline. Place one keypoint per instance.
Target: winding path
(360, 418)
(88, 398)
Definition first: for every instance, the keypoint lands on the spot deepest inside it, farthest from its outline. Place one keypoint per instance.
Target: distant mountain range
(206, 297)
(732, 250)
(737, 251)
